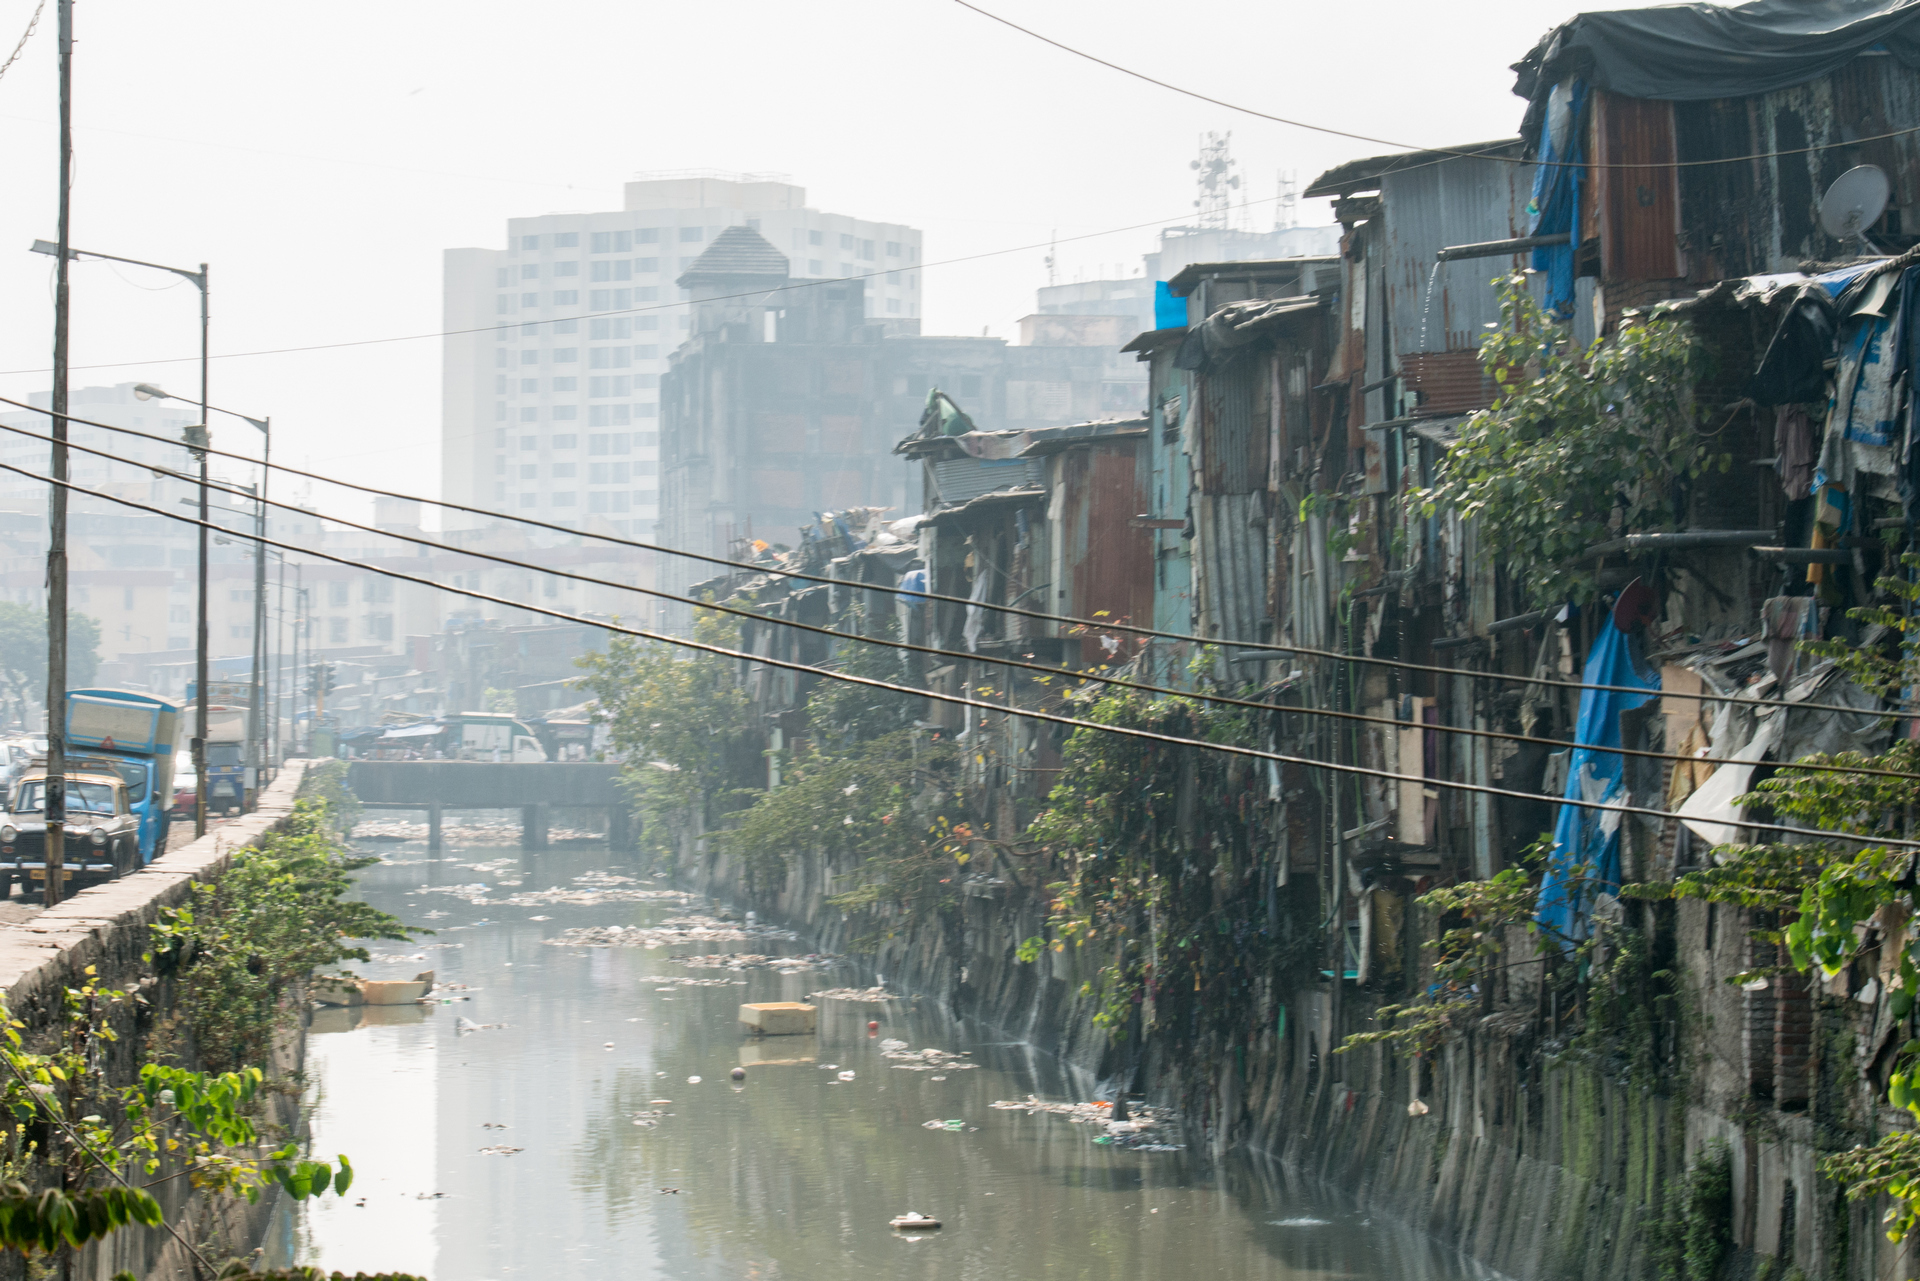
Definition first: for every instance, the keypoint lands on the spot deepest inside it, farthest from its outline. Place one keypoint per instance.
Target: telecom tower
(1286, 209)
(1217, 182)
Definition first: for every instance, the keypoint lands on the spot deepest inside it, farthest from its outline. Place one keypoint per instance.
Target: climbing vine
(1158, 843)
(1578, 447)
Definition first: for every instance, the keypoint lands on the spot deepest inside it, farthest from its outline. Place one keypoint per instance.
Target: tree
(1579, 446)
(23, 647)
(679, 720)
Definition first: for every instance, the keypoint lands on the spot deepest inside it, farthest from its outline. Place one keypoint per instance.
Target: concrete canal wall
(1540, 1160)
(107, 927)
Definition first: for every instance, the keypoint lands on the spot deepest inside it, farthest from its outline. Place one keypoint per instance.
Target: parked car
(102, 835)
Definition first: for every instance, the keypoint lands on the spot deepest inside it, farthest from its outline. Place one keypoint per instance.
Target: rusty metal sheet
(1234, 453)
(1448, 382)
(1102, 487)
(1639, 208)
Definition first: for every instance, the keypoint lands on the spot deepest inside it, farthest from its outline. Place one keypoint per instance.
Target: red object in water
(873, 1026)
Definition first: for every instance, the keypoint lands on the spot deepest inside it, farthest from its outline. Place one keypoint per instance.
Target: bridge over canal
(536, 790)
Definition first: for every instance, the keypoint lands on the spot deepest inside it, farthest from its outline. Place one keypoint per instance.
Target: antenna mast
(1216, 180)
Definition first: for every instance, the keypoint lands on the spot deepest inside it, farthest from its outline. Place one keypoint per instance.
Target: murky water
(793, 1174)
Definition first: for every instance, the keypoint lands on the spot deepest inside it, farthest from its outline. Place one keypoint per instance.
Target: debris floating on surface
(587, 890)
(676, 929)
(757, 961)
(500, 1149)
(914, 1221)
(500, 833)
(1138, 1133)
(927, 1060)
(855, 995)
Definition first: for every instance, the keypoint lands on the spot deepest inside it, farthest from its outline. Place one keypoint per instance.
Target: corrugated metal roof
(1193, 273)
(1365, 175)
(986, 502)
(961, 479)
(1051, 440)
(1154, 339)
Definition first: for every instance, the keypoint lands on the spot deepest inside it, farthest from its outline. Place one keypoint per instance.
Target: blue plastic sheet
(1555, 205)
(1168, 312)
(1586, 842)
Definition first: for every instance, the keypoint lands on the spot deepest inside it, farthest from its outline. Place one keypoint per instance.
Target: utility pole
(256, 699)
(201, 437)
(56, 700)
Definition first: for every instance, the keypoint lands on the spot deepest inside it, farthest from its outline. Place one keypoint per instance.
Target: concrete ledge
(45, 954)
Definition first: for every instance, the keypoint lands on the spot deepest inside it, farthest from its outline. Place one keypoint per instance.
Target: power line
(1445, 153)
(1011, 610)
(937, 652)
(1053, 718)
(634, 311)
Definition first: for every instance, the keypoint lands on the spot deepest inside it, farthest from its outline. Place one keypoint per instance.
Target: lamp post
(197, 441)
(256, 754)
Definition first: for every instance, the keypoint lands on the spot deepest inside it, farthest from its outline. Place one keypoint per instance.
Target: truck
(133, 733)
(226, 758)
(490, 736)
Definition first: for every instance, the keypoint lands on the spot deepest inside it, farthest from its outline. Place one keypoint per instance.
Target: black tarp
(1692, 51)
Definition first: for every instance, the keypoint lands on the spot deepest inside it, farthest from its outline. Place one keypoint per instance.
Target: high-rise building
(551, 373)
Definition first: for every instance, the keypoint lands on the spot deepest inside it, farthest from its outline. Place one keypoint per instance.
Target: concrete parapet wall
(107, 927)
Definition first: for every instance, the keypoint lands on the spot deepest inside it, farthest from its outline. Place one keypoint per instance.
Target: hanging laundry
(1785, 622)
(1793, 450)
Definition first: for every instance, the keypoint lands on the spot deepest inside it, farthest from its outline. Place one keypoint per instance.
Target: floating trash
(673, 930)
(758, 960)
(889, 1045)
(927, 1060)
(500, 1149)
(1300, 1223)
(952, 1127)
(854, 995)
(1137, 1133)
(914, 1221)
(846, 1076)
(693, 1080)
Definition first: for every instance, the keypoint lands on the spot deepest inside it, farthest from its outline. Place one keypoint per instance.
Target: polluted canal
(564, 1105)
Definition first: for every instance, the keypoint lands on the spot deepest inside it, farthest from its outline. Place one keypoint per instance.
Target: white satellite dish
(1855, 202)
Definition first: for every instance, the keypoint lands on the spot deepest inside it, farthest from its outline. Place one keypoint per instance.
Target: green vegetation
(680, 721)
(1690, 1242)
(1579, 447)
(241, 948)
(1160, 848)
(78, 1154)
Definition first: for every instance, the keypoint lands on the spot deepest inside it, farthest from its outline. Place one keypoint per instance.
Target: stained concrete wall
(1539, 1162)
(107, 927)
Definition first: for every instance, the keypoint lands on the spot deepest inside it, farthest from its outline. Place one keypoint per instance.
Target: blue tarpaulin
(1586, 842)
(1168, 312)
(1556, 194)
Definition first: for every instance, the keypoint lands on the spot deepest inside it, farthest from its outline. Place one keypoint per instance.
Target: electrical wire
(1011, 610)
(1445, 153)
(1029, 713)
(634, 311)
(1090, 675)
(25, 36)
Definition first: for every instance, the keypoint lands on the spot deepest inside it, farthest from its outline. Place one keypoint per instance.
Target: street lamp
(257, 752)
(197, 441)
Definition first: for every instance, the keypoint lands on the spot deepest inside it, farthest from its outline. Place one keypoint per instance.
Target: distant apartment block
(558, 341)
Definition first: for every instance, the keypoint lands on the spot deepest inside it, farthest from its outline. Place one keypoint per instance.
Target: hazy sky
(321, 157)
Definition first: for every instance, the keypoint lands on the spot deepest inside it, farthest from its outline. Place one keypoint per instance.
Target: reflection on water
(563, 1139)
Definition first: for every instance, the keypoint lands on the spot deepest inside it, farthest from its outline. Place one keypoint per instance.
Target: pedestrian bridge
(534, 789)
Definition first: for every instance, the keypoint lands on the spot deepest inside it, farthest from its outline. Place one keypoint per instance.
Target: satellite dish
(1855, 202)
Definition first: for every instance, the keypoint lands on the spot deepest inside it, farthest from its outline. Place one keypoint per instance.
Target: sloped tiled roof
(738, 251)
